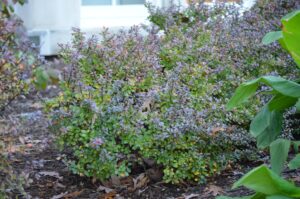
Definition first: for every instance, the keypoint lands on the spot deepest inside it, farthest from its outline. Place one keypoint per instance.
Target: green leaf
(290, 15)
(242, 93)
(266, 126)
(271, 37)
(291, 34)
(41, 78)
(298, 106)
(246, 90)
(265, 181)
(295, 162)
(296, 145)
(278, 197)
(279, 150)
(281, 102)
(283, 86)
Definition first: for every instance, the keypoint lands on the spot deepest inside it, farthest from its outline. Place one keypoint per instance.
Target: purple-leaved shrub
(132, 97)
(17, 59)
(18, 56)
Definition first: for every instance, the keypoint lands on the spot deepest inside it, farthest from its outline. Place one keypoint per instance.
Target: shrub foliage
(143, 100)
(267, 124)
(17, 56)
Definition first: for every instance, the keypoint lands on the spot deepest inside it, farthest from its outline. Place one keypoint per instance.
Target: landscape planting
(164, 103)
(133, 99)
(267, 124)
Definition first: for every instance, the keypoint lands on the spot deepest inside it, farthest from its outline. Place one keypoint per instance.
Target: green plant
(121, 104)
(132, 99)
(266, 184)
(20, 64)
(6, 7)
(267, 125)
(17, 60)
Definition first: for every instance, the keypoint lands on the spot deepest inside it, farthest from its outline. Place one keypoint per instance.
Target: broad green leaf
(271, 37)
(279, 150)
(290, 15)
(247, 89)
(298, 106)
(291, 34)
(281, 102)
(283, 86)
(295, 162)
(296, 145)
(242, 93)
(265, 181)
(278, 197)
(282, 43)
(266, 126)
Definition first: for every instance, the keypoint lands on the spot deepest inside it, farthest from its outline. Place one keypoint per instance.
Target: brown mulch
(34, 157)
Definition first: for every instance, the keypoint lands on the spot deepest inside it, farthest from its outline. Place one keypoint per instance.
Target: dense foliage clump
(158, 100)
(18, 56)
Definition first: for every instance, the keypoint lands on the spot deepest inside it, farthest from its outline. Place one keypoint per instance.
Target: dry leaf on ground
(141, 181)
(48, 173)
(190, 196)
(110, 195)
(213, 190)
(74, 194)
(59, 196)
(105, 189)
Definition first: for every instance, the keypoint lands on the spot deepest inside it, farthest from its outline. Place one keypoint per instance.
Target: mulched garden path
(33, 155)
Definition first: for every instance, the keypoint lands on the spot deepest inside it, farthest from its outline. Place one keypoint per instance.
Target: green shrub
(132, 98)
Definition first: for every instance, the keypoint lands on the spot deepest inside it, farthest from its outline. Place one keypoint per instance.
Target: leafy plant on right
(267, 124)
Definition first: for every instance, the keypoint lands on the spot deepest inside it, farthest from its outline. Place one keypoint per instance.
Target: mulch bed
(33, 155)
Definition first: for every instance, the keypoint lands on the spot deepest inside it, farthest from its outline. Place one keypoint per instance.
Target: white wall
(51, 20)
(52, 14)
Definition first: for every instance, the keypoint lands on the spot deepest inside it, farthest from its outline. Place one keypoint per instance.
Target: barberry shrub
(18, 55)
(17, 58)
(138, 99)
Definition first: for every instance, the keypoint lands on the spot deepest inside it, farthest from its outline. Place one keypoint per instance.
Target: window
(214, 1)
(130, 2)
(96, 2)
(112, 2)
(112, 13)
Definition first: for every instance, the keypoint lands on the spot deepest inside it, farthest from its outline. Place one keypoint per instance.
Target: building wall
(50, 21)
(52, 14)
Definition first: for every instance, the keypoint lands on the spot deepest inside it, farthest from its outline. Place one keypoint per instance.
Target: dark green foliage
(266, 184)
